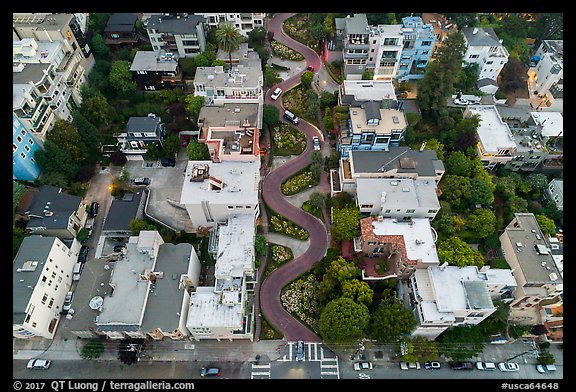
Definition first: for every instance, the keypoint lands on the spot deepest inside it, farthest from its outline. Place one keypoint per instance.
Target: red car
(310, 68)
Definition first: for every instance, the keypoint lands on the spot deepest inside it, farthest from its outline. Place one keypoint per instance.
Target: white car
(485, 366)
(316, 143)
(508, 366)
(363, 366)
(404, 365)
(67, 302)
(461, 101)
(276, 93)
(38, 364)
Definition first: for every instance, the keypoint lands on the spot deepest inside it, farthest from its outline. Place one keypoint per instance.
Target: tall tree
(345, 223)
(461, 343)
(65, 135)
(390, 321)
(456, 252)
(343, 320)
(120, 78)
(228, 39)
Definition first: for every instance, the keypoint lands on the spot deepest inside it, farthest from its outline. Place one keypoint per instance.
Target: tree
(456, 252)
(456, 190)
(171, 145)
(87, 132)
(497, 322)
(55, 161)
(345, 223)
(343, 320)
(121, 78)
(118, 158)
(461, 343)
(260, 245)
(424, 349)
(99, 46)
(270, 115)
(197, 151)
(137, 225)
(306, 79)
(358, 291)
(481, 192)
(390, 321)
(317, 200)
(228, 39)
(481, 222)
(546, 224)
(194, 104)
(97, 110)
(513, 76)
(458, 164)
(65, 135)
(434, 144)
(92, 349)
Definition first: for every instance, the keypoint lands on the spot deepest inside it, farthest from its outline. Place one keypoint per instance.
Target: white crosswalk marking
(260, 374)
(329, 368)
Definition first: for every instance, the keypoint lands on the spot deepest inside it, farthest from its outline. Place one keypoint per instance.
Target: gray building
(183, 34)
(140, 133)
(121, 212)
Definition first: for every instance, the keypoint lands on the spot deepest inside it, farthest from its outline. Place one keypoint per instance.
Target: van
(291, 116)
(77, 271)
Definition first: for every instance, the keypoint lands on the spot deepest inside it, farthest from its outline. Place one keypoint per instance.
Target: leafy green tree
(228, 38)
(345, 223)
(97, 110)
(461, 343)
(434, 144)
(424, 349)
(171, 145)
(313, 104)
(92, 349)
(358, 291)
(270, 115)
(481, 192)
(260, 245)
(99, 46)
(513, 76)
(341, 270)
(456, 190)
(202, 60)
(197, 151)
(546, 224)
(188, 66)
(87, 131)
(193, 105)
(391, 321)
(54, 160)
(317, 200)
(481, 222)
(458, 164)
(497, 322)
(537, 181)
(65, 135)
(343, 320)
(306, 79)
(456, 252)
(137, 225)
(121, 78)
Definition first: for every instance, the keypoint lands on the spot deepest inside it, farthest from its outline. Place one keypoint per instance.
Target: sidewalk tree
(92, 349)
(343, 321)
(461, 343)
(424, 349)
(391, 321)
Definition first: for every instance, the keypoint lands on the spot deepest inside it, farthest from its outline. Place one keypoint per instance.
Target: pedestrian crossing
(313, 352)
(329, 368)
(260, 371)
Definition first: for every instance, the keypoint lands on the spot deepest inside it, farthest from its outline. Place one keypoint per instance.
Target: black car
(94, 208)
(166, 162)
(461, 365)
(83, 255)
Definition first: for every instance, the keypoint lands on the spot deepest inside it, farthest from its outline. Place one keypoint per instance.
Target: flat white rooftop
(370, 90)
(239, 182)
(418, 238)
(552, 123)
(207, 311)
(493, 133)
(397, 193)
(236, 246)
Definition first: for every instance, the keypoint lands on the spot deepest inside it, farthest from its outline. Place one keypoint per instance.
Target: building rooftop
(552, 123)
(415, 238)
(389, 119)
(228, 182)
(174, 24)
(229, 115)
(122, 211)
(143, 124)
(356, 24)
(241, 75)
(121, 22)
(397, 193)
(533, 254)
(493, 132)
(481, 36)
(157, 61)
(26, 269)
(401, 159)
(41, 21)
(50, 208)
(207, 311)
(236, 246)
(356, 91)
(164, 305)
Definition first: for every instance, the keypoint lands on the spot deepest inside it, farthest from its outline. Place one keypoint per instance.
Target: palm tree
(228, 39)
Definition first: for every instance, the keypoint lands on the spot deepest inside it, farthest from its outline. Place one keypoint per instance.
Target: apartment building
(449, 296)
(485, 49)
(226, 310)
(181, 34)
(241, 84)
(24, 165)
(546, 76)
(212, 192)
(418, 43)
(528, 254)
(41, 277)
(555, 192)
(50, 212)
(156, 70)
(497, 144)
(355, 92)
(441, 25)
(244, 22)
(139, 134)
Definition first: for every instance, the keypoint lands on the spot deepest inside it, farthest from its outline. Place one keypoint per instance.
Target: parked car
(38, 363)
(461, 366)
(404, 365)
(276, 93)
(94, 207)
(300, 350)
(414, 365)
(141, 181)
(83, 254)
(485, 366)
(316, 143)
(461, 101)
(545, 368)
(168, 162)
(508, 366)
(210, 372)
(310, 68)
(363, 366)
(67, 302)
(431, 365)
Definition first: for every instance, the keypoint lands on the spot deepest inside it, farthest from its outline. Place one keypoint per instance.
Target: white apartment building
(401, 199)
(241, 84)
(555, 192)
(387, 41)
(41, 277)
(546, 78)
(245, 22)
(448, 296)
(212, 192)
(352, 92)
(485, 49)
(226, 310)
(176, 33)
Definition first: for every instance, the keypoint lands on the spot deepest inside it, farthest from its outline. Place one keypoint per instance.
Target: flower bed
(288, 141)
(281, 254)
(283, 226)
(298, 183)
(300, 299)
(285, 53)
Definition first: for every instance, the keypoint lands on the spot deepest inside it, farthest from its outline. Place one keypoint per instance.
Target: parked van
(77, 271)
(291, 116)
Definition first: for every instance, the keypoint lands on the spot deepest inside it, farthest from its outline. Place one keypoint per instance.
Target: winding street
(270, 290)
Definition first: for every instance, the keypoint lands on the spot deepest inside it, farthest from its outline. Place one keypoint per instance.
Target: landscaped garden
(283, 226)
(285, 53)
(300, 299)
(287, 140)
(298, 183)
(279, 255)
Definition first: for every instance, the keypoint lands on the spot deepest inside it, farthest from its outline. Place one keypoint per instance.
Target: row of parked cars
(462, 365)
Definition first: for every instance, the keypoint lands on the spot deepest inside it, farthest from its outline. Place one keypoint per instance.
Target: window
(473, 56)
(366, 205)
(44, 298)
(432, 211)
(23, 155)
(27, 148)
(114, 35)
(19, 139)
(31, 142)
(390, 41)
(426, 43)
(410, 211)
(14, 148)
(23, 132)
(51, 303)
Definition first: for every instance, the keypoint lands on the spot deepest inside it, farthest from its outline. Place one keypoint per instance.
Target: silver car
(38, 363)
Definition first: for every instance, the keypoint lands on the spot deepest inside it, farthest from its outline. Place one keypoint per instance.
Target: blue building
(24, 167)
(418, 43)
